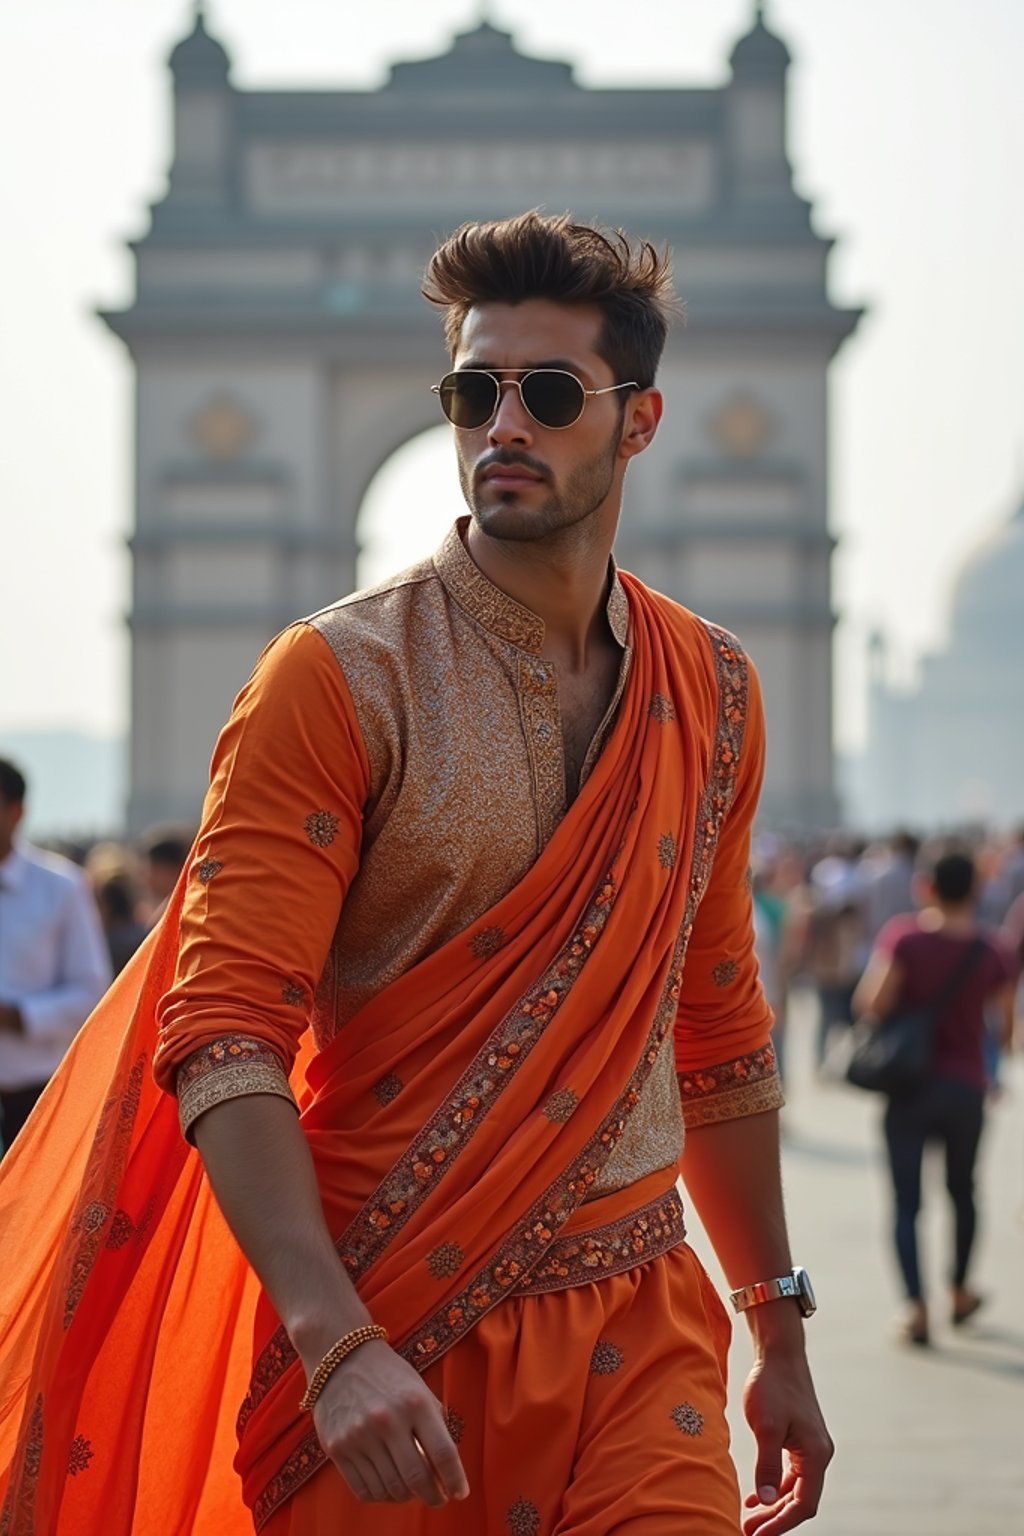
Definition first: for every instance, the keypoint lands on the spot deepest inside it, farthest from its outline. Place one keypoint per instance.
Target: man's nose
(511, 422)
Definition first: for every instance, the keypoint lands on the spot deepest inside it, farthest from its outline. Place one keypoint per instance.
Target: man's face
(522, 481)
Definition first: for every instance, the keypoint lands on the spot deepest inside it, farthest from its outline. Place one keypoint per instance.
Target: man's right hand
(385, 1432)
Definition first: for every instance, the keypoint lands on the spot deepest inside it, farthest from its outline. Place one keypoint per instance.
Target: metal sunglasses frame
(562, 373)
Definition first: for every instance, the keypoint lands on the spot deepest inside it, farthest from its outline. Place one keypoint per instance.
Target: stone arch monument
(282, 352)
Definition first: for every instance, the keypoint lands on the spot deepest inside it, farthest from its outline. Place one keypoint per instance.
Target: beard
(547, 518)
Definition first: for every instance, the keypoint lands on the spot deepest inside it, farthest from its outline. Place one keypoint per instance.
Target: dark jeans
(951, 1113)
(16, 1104)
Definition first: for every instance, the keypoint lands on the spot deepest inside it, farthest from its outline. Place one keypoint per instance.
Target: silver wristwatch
(797, 1285)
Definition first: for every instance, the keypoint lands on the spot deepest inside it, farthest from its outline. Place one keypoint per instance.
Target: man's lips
(509, 475)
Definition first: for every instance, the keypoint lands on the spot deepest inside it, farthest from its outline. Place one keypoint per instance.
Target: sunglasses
(554, 398)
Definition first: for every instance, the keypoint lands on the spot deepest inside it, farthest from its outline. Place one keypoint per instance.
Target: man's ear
(640, 421)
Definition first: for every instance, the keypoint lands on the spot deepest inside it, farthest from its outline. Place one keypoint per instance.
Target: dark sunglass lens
(468, 399)
(555, 399)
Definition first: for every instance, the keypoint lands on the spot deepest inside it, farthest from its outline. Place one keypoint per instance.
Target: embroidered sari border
(581, 1257)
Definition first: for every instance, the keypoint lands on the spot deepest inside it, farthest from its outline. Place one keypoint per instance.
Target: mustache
(506, 459)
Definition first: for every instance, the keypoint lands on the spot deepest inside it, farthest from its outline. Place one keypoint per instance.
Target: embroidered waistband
(633, 1239)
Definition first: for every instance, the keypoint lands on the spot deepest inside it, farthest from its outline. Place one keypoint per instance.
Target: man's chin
(506, 517)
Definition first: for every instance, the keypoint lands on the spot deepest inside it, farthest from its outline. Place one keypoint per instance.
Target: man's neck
(567, 589)
(949, 919)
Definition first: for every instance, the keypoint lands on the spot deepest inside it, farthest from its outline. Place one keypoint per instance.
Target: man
(486, 828)
(53, 963)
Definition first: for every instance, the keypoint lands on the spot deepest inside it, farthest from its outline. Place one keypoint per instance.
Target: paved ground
(929, 1442)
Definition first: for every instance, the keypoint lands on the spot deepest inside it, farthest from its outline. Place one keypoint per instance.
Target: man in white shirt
(54, 966)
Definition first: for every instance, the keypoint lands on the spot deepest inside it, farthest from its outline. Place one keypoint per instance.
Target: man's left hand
(782, 1410)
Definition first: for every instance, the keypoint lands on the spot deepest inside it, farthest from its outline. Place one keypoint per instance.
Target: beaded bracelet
(334, 1356)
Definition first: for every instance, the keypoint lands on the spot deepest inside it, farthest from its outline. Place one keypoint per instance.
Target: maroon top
(928, 960)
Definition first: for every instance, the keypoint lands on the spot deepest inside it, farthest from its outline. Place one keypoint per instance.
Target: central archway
(409, 505)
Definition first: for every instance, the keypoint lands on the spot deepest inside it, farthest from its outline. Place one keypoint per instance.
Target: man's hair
(12, 783)
(953, 873)
(542, 256)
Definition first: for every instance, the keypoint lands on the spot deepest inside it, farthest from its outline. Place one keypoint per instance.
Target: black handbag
(895, 1055)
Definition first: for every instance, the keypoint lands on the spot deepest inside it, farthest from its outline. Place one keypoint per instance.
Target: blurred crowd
(820, 910)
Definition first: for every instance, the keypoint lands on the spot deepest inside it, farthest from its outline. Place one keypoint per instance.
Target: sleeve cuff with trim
(229, 1068)
(747, 1085)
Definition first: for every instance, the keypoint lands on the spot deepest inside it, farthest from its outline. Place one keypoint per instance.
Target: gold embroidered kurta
(330, 862)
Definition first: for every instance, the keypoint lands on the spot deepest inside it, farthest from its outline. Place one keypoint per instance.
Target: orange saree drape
(127, 1321)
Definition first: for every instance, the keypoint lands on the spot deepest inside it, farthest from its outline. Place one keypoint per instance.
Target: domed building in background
(952, 750)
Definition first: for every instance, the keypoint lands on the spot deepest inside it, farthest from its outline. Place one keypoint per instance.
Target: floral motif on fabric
(122, 1228)
(387, 1089)
(523, 1518)
(455, 1424)
(79, 1455)
(606, 1359)
(321, 828)
(688, 1419)
(293, 994)
(445, 1261)
(487, 942)
(107, 1160)
(667, 850)
(308, 1457)
(560, 1106)
(636, 1239)
(661, 709)
(745, 1085)
(228, 1068)
(208, 869)
(725, 973)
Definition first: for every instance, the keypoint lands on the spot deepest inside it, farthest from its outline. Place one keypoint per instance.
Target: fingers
(362, 1477)
(399, 1452)
(796, 1501)
(438, 1447)
(418, 1474)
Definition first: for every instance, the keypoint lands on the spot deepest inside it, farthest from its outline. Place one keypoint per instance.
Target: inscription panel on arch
(309, 177)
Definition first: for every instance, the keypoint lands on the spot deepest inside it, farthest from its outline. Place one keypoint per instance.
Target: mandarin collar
(501, 614)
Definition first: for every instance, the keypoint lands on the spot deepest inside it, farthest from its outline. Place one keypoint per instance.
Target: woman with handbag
(939, 959)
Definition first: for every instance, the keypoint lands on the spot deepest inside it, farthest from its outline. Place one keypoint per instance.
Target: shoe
(914, 1329)
(965, 1308)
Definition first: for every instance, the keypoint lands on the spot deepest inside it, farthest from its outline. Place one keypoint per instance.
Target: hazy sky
(906, 132)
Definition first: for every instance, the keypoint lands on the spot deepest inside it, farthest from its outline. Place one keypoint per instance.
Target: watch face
(805, 1292)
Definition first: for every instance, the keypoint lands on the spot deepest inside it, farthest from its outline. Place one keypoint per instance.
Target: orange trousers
(593, 1411)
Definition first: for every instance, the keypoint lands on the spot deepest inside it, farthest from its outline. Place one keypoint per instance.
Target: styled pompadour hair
(549, 256)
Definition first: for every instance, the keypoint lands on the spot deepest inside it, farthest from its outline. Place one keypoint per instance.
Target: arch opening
(408, 506)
